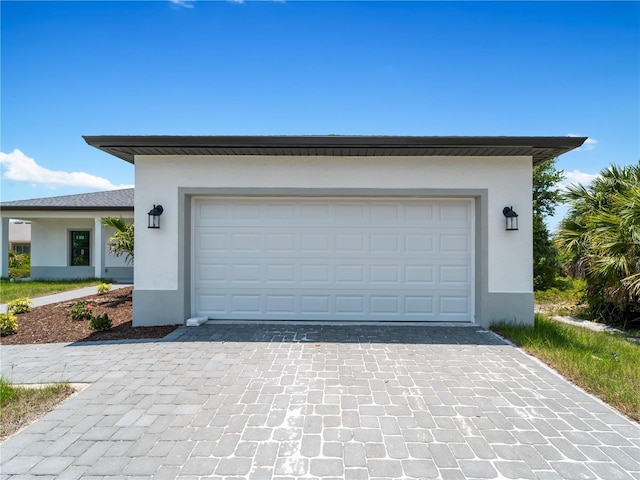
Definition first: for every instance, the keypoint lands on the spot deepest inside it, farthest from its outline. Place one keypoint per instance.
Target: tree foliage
(546, 195)
(121, 242)
(601, 237)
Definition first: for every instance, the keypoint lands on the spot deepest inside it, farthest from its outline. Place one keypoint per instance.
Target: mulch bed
(52, 323)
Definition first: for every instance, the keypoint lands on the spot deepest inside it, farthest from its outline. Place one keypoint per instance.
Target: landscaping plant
(601, 239)
(19, 264)
(546, 195)
(100, 323)
(20, 305)
(121, 243)
(81, 310)
(103, 288)
(8, 323)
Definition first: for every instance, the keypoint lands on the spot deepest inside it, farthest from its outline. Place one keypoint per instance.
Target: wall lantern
(154, 216)
(511, 218)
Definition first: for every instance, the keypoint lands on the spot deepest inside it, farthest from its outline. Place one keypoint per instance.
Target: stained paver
(274, 402)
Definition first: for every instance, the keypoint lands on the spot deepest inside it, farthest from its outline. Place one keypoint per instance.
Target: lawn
(605, 364)
(37, 288)
(20, 406)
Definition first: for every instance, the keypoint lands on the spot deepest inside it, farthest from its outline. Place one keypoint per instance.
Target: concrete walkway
(331, 402)
(66, 296)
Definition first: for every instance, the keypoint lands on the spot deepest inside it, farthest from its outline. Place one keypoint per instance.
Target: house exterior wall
(50, 251)
(503, 258)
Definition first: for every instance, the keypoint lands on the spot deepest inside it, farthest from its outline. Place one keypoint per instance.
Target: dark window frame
(79, 248)
(20, 248)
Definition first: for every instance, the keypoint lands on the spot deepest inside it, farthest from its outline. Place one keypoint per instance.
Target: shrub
(20, 305)
(19, 265)
(81, 310)
(100, 323)
(103, 288)
(8, 323)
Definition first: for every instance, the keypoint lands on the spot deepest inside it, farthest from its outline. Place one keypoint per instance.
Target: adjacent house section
(68, 239)
(20, 236)
(341, 228)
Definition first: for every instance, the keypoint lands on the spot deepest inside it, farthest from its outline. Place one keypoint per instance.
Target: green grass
(37, 288)
(604, 364)
(19, 406)
(7, 392)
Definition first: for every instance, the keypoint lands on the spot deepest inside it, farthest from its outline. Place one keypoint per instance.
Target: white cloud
(21, 168)
(589, 143)
(183, 3)
(578, 177)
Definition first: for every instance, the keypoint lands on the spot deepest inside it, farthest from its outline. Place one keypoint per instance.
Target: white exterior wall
(50, 242)
(507, 179)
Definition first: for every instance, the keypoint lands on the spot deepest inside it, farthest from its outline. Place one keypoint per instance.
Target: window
(22, 249)
(80, 252)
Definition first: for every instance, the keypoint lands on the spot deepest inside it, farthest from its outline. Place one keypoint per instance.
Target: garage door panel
(281, 304)
(315, 243)
(419, 305)
(453, 212)
(315, 304)
(419, 243)
(215, 304)
(347, 274)
(456, 243)
(333, 259)
(419, 275)
(387, 274)
(344, 306)
(384, 304)
(280, 273)
(454, 275)
(280, 242)
(454, 305)
(318, 273)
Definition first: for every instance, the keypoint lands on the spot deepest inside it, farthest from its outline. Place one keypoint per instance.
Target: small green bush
(19, 265)
(8, 323)
(81, 310)
(103, 288)
(20, 305)
(100, 323)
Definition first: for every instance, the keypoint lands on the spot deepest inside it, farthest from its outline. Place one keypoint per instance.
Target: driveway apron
(289, 401)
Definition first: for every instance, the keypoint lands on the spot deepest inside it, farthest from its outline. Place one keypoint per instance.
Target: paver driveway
(291, 401)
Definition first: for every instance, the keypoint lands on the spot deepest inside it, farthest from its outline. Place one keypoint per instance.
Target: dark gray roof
(539, 148)
(109, 200)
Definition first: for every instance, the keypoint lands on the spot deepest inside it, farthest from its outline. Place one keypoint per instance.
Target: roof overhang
(539, 149)
(44, 208)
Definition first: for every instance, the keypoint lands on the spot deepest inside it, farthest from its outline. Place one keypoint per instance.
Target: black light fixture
(511, 218)
(154, 216)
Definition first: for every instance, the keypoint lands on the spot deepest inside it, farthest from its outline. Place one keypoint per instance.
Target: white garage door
(333, 259)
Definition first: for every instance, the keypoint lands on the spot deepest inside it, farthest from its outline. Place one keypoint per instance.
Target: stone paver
(287, 401)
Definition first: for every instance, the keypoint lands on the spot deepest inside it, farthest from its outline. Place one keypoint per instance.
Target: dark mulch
(52, 323)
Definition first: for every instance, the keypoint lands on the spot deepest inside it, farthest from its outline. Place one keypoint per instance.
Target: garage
(338, 259)
(333, 227)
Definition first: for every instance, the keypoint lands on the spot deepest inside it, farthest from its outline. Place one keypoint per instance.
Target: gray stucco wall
(118, 274)
(166, 305)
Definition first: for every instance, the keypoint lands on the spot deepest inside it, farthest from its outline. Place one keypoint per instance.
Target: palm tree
(601, 236)
(121, 243)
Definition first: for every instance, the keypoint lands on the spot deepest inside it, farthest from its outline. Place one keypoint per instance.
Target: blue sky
(292, 68)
